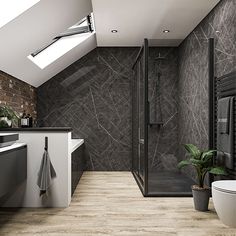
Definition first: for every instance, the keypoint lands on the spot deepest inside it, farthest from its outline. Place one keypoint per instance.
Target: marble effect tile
(193, 72)
(162, 141)
(93, 96)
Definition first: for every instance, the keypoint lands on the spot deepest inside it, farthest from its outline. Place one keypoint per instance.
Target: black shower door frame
(143, 183)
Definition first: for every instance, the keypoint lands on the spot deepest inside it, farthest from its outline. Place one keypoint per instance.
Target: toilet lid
(228, 186)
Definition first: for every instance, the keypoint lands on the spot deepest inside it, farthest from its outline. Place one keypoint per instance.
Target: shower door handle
(141, 141)
(148, 112)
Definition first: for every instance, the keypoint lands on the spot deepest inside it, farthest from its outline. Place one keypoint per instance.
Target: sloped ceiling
(134, 20)
(35, 28)
(139, 19)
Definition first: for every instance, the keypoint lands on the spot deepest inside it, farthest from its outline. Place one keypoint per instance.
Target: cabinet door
(13, 169)
(77, 167)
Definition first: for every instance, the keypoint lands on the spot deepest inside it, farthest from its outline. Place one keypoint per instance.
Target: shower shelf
(156, 124)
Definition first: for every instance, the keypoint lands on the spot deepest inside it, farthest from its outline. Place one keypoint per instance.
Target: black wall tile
(193, 72)
(93, 96)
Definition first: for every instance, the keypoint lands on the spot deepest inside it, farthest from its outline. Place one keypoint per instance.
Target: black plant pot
(201, 197)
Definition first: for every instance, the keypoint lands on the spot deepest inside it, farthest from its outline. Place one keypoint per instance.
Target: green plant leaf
(207, 155)
(208, 160)
(218, 171)
(3, 124)
(193, 150)
(197, 162)
(183, 164)
(6, 111)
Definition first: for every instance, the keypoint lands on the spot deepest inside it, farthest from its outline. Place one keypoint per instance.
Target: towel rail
(226, 86)
(46, 144)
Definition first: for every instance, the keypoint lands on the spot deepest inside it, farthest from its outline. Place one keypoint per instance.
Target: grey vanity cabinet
(13, 169)
(77, 166)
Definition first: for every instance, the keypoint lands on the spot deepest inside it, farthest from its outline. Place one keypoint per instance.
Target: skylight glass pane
(82, 22)
(10, 9)
(85, 23)
(58, 49)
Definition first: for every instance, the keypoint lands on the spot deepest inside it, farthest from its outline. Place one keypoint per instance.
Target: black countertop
(38, 129)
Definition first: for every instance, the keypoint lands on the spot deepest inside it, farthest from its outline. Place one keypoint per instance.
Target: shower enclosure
(154, 124)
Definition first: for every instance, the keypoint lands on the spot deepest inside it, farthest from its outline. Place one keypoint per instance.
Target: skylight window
(10, 9)
(63, 42)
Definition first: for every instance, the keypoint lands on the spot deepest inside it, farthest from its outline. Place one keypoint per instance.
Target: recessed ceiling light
(114, 31)
(166, 31)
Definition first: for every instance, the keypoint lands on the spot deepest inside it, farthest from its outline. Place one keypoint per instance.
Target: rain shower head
(157, 63)
(160, 58)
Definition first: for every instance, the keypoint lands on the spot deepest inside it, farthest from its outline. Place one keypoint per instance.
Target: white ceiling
(8, 13)
(134, 20)
(139, 19)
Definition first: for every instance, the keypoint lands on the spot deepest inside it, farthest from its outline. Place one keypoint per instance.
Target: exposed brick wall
(17, 94)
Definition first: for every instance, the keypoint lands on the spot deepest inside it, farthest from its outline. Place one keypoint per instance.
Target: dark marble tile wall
(93, 96)
(193, 72)
(163, 97)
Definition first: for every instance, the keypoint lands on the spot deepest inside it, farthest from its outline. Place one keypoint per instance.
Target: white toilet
(224, 199)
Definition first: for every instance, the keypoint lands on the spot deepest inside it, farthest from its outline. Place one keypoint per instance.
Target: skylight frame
(73, 30)
(63, 43)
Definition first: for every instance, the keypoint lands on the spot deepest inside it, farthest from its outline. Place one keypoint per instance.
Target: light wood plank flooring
(110, 203)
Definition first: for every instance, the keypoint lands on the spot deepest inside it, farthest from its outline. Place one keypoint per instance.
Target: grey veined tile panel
(193, 72)
(163, 91)
(93, 96)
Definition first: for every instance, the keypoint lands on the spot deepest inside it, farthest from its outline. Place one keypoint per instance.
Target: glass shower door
(141, 114)
(140, 118)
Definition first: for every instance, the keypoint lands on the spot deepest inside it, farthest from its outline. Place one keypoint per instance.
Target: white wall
(59, 194)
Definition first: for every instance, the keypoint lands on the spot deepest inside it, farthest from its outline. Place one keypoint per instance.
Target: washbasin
(8, 139)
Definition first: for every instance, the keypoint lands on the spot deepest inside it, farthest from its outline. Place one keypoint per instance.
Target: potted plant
(7, 117)
(202, 161)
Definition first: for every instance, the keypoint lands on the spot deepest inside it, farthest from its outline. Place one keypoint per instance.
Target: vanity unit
(66, 155)
(13, 168)
(7, 139)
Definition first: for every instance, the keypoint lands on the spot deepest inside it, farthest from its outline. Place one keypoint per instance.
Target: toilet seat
(227, 186)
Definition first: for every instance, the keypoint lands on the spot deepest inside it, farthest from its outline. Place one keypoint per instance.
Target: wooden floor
(110, 203)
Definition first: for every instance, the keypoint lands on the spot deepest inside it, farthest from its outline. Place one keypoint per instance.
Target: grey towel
(224, 115)
(46, 173)
(225, 131)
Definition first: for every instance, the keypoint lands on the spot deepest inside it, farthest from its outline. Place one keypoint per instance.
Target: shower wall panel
(193, 72)
(93, 96)
(163, 97)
